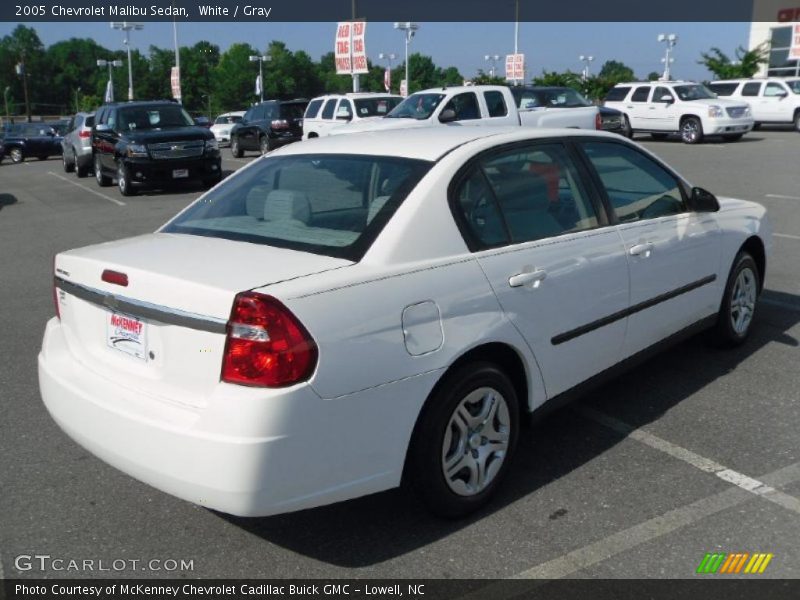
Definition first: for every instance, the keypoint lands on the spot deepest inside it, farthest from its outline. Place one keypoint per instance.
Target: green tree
(747, 62)
(23, 46)
(233, 79)
(653, 76)
(483, 78)
(616, 71)
(553, 78)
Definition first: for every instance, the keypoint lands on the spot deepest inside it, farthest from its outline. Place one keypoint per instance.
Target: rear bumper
(162, 172)
(249, 452)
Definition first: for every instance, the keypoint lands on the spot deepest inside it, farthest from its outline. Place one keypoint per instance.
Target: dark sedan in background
(25, 140)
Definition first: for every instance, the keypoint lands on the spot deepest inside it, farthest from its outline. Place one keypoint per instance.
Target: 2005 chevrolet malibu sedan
(354, 312)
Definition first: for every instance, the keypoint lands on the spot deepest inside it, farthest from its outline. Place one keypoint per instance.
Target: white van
(773, 101)
(335, 110)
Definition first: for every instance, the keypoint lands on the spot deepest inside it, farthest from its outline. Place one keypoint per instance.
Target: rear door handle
(642, 250)
(534, 277)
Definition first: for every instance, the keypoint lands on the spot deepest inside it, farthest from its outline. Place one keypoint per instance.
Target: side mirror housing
(666, 99)
(344, 115)
(703, 201)
(102, 127)
(448, 115)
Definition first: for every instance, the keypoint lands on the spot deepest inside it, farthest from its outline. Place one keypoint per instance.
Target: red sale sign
(794, 51)
(350, 48)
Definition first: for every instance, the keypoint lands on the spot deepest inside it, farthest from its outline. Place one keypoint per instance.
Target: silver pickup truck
(486, 105)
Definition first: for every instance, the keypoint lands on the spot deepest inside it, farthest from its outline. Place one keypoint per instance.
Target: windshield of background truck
(375, 107)
(416, 106)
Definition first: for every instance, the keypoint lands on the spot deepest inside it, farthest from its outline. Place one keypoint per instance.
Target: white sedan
(338, 318)
(223, 125)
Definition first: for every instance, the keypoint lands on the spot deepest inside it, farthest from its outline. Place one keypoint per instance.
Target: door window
(330, 106)
(465, 106)
(313, 109)
(774, 89)
(641, 94)
(661, 93)
(496, 104)
(751, 89)
(637, 186)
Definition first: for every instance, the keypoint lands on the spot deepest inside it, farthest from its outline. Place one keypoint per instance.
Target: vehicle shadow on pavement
(377, 528)
(7, 200)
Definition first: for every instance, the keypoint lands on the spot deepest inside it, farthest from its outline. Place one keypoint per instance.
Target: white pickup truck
(487, 105)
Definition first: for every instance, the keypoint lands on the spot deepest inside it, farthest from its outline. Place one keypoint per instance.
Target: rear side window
(641, 93)
(495, 103)
(329, 204)
(637, 186)
(751, 89)
(618, 94)
(313, 109)
(522, 195)
(723, 89)
(330, 106)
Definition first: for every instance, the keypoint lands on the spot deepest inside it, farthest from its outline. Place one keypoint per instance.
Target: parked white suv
(334, 110)
(685, 107)
(773, 101)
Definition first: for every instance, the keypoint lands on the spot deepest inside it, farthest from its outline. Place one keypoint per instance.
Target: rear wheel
(738, 303)
(236, 150)
(691, 130)
(16, 155)
(124, 181)
(464, 440)
(81, 170)
(102, 180)
(627, 131)
(797, 121)
(733, 137)
(69, 165)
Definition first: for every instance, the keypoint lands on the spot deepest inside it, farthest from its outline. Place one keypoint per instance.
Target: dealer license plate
(127, 334)
(180, 173)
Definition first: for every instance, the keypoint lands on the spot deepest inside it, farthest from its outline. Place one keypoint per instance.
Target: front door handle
(534, 277)
(644, 250)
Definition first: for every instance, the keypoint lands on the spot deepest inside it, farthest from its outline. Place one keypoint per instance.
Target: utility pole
(23, 72)
(356, 76)
(177, 52)
(5, 97)
(127, 28)
(670, 39)
(409, 29)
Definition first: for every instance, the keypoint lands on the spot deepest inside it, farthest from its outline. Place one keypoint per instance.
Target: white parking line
(86, 189)
(754, 486)
(787, 236)
(781, 196)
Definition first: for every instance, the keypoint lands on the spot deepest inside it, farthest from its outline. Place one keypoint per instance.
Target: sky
(548, 46)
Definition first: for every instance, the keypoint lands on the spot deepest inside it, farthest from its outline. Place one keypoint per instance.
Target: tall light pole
(109, 95)
(516, 32)
(260, 60)
(127, 28)
(390, 57)
(5, 97)
(177, 53)
(670, 39)
(77, 95)
(409, 29)
(586, 60)
(492, 58)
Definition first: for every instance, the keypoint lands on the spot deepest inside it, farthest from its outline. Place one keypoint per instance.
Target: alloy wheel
(743, 301)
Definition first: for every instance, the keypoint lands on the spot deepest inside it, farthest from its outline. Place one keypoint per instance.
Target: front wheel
(236, 149)
(738, 303)
(797, 121)
(691, 130)
(124, 181)
(464, 440)
(16, 155)
(102, 180)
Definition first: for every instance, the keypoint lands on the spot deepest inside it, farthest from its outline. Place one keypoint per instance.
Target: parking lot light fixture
(410, 30)
(127, 28)
(111, 64)
(260, 60)
(586, 60)
(670, 39)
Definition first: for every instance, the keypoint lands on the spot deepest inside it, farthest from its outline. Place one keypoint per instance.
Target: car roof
(425, 143)
(656, 82)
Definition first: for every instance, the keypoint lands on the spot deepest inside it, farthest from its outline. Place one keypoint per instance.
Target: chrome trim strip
(139, 308)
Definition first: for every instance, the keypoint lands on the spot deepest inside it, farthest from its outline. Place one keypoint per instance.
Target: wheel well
(312, 135)
(684, 117)
(755, 247)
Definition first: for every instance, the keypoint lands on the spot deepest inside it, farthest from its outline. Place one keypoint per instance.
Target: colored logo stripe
(733, 563)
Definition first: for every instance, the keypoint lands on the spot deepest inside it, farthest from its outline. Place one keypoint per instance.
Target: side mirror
(102, 128)
(344, 115)
(666, 99)
(448, 115)
(703, 201)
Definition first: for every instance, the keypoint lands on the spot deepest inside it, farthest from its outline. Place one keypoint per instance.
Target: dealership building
(772, 25)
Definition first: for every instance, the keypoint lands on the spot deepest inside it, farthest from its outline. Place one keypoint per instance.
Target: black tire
(124, 181)
(733, 137)
(691, 130)
(659, 136)
(627, 130)
(102, 180)
(236, 150)
(725, 332)
(797, 121)
(16, 155)
(756, 126)
(427, 455)
(69, 165)
(81, 170)
(263, 144)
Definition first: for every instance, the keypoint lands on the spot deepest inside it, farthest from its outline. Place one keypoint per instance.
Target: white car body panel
(222, 131)
(387, 329)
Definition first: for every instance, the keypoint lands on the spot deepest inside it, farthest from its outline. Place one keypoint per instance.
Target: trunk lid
(164, 333)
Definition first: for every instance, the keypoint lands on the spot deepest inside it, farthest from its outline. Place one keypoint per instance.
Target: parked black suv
(24, 140)
(268, 125)
(151, 144)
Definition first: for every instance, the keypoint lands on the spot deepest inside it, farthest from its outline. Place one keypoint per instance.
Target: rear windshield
(153, 117)
(292, 111)
(416, 106)
(329, 204)
(375, 107)
(553, 98)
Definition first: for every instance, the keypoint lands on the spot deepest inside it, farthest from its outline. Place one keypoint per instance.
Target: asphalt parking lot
(695, 451)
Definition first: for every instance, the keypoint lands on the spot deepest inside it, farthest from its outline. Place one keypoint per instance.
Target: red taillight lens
(84, 133)
(280, 124)
(266, 344)
(598, 122)
(115, 277)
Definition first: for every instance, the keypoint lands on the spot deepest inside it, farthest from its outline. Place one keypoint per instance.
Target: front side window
(416, 106)
(694, 91)
(774, 89)
(637, 186)
(751, 89)
(641, 94)
(465, 106)
(329, 204)
(663, 95)
(523, 195)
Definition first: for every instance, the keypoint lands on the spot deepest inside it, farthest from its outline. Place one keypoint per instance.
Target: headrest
(285, 205)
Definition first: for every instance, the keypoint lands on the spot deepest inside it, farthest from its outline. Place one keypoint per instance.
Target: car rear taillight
(115, 277)
(55, 291)
(598, 121)
(280, 124)
(84, 133)
(266, 344)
